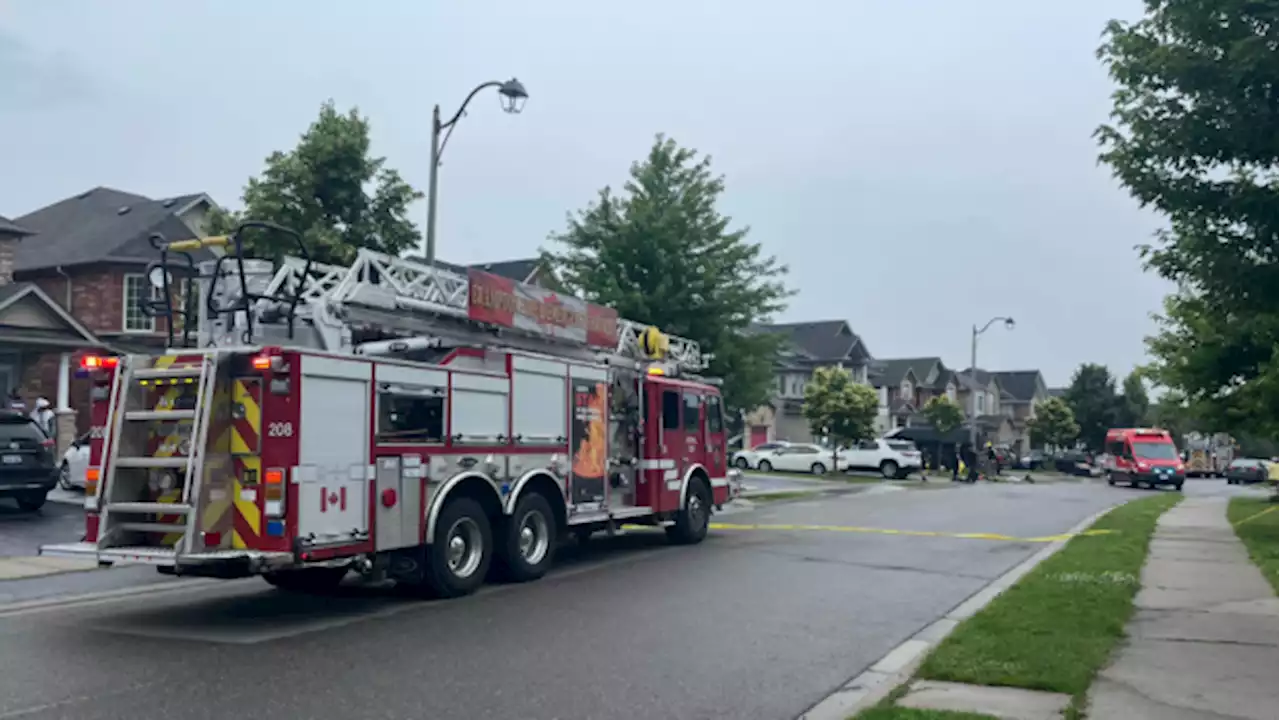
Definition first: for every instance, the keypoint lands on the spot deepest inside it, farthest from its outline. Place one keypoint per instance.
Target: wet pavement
(750, 624)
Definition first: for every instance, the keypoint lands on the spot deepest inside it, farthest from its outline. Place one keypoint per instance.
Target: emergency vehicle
(1143, 456)
(1208, 455)
(400, 420)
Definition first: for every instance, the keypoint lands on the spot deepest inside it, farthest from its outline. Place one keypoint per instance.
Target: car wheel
(64, 476)
(32, 502)
(889, 469)
(530, 542)
(741, 463)
(1111, 479)
(1177, 487)
(765, 466)
(818, 469)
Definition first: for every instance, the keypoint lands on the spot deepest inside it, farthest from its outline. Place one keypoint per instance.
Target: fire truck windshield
(1155, 451)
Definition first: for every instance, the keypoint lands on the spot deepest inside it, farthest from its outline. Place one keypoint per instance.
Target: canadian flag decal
(337, 498)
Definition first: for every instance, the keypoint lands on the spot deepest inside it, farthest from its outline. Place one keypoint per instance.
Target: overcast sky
(921, 165)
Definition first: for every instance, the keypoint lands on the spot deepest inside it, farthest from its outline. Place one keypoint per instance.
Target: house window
(982, 403)
(136, 291)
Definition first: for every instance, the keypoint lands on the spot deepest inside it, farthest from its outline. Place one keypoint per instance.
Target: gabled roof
(13, 293)
(9, 227)
(101, 225)
(823, 341)
(893, 369)
(1021, 384)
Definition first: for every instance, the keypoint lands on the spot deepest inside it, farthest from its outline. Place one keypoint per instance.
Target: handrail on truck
(234, 244)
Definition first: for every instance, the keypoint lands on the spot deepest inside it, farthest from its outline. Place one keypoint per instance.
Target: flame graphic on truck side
(589, 458)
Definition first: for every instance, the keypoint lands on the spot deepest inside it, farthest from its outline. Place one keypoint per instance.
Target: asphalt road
(750, 624)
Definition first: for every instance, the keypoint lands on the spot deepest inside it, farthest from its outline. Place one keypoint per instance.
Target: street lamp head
(513, 96)
(1008, 323)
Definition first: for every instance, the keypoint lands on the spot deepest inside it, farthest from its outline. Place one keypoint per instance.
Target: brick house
(807, 346)
(88, 254)
(906, 385)
(36, 334)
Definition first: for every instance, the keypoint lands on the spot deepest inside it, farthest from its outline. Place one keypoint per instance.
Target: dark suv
(27, 468)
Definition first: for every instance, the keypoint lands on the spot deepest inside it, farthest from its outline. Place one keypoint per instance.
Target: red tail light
(98, 362)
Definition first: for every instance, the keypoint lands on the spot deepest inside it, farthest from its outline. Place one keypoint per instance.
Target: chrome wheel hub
(533, 538)
(464, 547)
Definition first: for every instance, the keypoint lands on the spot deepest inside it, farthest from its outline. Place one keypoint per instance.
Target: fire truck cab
(394, 419)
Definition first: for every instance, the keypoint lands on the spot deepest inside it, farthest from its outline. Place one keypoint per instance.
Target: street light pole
(973, 377)
(513, 96)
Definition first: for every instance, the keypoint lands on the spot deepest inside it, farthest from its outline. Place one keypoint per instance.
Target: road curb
(9, 609)
(876, 682)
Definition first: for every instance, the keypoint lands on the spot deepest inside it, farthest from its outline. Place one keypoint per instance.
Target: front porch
(38, 343)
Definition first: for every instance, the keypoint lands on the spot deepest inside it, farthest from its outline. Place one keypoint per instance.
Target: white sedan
(801, 458)
(74, 463)
(747, 459)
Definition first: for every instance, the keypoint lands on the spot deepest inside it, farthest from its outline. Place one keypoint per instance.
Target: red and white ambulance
(393, 419)
(1143, 456)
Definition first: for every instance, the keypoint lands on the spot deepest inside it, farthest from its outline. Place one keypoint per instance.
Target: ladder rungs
(163, 373)
(151, 508)
(152, 462)
(167, 528)
(160, 415)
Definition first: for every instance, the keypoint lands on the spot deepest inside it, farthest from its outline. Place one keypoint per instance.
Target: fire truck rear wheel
(307, 580)
(461, 551)
(529, 544)
(694, 518)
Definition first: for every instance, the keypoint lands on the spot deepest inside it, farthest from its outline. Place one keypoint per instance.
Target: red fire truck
(391, 418)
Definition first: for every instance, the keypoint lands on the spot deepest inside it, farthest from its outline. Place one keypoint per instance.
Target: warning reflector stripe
(246, 429)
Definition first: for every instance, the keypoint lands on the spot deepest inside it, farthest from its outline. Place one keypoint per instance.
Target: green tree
(1133, 401)
(838, 408)
(661, 253)
(1053, 424)
(333, 191)
(1092, 399)
(1194, 137)
(943, 414)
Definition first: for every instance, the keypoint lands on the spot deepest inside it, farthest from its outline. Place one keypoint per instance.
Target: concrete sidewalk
(1202, 641)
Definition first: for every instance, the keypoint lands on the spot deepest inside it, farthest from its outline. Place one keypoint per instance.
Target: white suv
(895, 459)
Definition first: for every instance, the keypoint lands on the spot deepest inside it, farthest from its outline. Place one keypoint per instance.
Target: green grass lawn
(782, 495)
(834, 477)
(1256, 524)
(1056, 627)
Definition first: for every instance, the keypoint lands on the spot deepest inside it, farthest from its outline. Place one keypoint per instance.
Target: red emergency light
(98, 362)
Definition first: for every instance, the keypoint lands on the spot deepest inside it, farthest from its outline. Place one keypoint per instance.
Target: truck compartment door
(334, 472)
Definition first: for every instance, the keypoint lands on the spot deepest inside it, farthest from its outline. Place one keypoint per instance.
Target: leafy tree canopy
(1194, 136)
(1091, 396)
(1054, 424)
(333, 191)
(1133, 401)
(661, 253)
(839, 408)
(944, 414)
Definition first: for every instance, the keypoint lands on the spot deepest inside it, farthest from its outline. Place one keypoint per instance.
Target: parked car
(1034, 460)
(1074, 462)
(801, 458)
(27, 469)
(75, 461)
(894, 459)
(1246, 471)
(747, 459)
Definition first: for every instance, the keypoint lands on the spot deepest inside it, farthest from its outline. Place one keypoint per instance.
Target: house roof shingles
(9, 227)
(101, 225)
(1021, 384)
(825, 340)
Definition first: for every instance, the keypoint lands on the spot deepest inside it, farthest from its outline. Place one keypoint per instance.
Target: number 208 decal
(280, 429)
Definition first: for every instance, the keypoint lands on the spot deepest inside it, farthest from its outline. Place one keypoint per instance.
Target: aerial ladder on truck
(178, 471)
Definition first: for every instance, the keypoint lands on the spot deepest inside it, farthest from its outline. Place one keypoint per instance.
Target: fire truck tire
(307, 580)
(694, 518)
(459, 556)
(529, 543)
